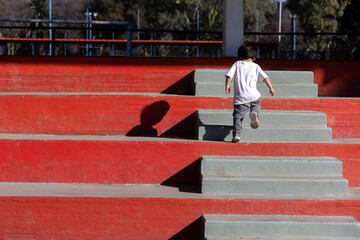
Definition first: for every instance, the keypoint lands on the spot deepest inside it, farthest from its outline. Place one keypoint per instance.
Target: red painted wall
(162, 115)
(134, 161)
(141, 218)
(122, 74)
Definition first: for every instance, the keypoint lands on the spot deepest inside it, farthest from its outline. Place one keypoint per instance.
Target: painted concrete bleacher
(103, 147)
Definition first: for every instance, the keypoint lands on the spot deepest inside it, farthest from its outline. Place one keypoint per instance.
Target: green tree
(265, 10)
(38, 9)
(350, 23)
(211, 18)
(319, 16)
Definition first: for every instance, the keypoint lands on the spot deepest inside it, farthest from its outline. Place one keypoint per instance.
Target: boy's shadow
(150, 116)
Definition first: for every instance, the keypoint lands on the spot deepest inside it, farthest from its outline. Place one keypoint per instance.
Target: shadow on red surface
(194, 231)
(151, 115)
(184, 86)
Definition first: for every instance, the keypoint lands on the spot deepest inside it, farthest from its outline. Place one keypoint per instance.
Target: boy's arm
(227, 84)
(268, 83)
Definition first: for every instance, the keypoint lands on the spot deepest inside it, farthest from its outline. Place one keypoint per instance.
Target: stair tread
(272, 126)
(280, 218)
(262, 111)
(274, 238)
(268, 158)
(273, 176)
(260, 83)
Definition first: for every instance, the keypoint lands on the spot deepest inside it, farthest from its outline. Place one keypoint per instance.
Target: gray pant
(240, 111)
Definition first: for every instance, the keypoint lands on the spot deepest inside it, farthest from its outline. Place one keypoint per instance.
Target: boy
(245, 74)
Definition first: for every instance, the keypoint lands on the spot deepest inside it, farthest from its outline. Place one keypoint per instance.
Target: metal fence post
(53, 41)
(65, 46)
(113, 46)
(151, 46)
(129, 41)
(32, 45)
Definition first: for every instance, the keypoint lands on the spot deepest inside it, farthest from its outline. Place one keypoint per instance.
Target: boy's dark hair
(245, 51)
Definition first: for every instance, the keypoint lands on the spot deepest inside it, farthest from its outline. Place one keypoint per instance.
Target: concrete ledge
(281, 226)
(274, 238)
(258, 165)
(276, 77)
(266, 117)
(267, 134)
(149, 191)
(282, 90)
(274, 185)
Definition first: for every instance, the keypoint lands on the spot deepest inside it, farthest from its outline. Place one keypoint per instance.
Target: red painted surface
(144, 162)
(113, 74)
(139, 219)
(162, 115)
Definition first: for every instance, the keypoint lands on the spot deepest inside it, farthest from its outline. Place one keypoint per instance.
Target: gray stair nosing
(266, 111)
(264, 127)
(262, 227)
(270, 158)
(220, 84)
(267, 118)
(210, 75)
(275, 238)
(300, 218)
(261, 177)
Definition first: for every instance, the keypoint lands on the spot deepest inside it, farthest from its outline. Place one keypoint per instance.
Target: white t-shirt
(245, 76)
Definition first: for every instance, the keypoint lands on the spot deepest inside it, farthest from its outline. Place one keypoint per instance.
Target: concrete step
(272, 238)
(267, 118)
(275, 126)
(267, 134)
(276, 77)
(282, 90)
(255, 165)
(287, 84)
(280, 227)
(274, 185)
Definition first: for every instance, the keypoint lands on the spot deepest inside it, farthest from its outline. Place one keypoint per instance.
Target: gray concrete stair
(277, 77)
(257, 165)
(287, 84)
(275, 126)
(269, 227)
(293, 176)
(266, 117)
(296, 185)
(272, 238)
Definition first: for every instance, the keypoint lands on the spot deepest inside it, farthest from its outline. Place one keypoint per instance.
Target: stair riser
(276, 77)
(298, 187)
(282, 90)
(266, 118)
(253, 229)
(219, 133)
(261, 167)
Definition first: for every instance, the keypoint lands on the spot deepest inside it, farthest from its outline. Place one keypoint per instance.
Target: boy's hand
(227, 89)
(272, 91)
(227, 84)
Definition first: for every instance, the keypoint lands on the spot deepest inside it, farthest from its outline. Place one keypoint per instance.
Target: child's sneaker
(236, 137)
(254, 120)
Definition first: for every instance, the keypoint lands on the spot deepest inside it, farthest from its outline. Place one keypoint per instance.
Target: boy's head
(246, 52)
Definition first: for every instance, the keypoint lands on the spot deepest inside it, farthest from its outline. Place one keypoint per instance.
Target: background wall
(153, 75)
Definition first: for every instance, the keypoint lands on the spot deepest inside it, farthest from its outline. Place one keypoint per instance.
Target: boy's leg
(238, 116)
(255, 107)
